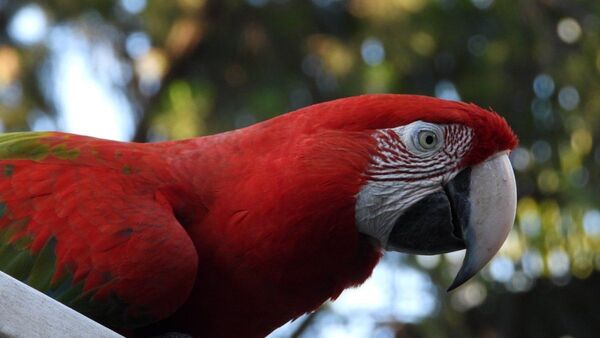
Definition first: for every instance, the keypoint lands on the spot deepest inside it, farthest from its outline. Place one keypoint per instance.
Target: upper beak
(475, 210)
(493, 199)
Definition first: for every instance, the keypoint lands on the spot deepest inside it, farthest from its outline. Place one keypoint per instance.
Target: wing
(97, 239)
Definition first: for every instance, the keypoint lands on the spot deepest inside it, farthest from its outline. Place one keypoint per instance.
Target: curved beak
(475, 210)
(493, 201)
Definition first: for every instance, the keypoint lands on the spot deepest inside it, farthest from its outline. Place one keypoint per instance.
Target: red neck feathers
(278, 237)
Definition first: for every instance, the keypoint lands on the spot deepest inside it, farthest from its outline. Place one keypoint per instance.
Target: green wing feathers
(77, 226)
(35, 146)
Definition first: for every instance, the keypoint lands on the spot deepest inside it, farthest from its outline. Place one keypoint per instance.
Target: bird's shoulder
(81, 221)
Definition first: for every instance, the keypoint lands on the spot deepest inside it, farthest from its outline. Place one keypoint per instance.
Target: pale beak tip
(494, 199)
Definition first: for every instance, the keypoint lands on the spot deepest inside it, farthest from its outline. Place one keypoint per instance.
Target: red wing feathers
(97, 239)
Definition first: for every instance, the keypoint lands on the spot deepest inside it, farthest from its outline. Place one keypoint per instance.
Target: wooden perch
(28, 313)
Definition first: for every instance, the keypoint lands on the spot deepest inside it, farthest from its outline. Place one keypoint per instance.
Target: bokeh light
(533, 263)
(502, 268)
(137, 44)
(445, 89)
(471, 295)
(558, 262)
(568, 97)
(482, 4)
(591, 222)
(10, 65)
(29, 25)
(541, 150)
(133, 6)
(543, 86)
(372, 51)
(429, 262)
(520, 158)
(569, 30)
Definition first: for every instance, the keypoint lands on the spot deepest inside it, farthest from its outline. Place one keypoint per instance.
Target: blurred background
(149, 70)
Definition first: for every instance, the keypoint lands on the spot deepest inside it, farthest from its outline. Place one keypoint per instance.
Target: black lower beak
(436, 223)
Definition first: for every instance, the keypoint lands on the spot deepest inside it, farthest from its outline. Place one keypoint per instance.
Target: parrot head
(437, 178)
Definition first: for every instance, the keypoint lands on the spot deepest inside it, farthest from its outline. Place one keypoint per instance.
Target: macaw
(234, 234)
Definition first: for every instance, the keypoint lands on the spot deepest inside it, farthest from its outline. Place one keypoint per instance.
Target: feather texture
(78, 226)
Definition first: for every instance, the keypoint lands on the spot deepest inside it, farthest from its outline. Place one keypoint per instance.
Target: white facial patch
(412, 162)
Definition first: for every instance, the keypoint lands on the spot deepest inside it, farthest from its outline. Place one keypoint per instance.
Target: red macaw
(234, 234)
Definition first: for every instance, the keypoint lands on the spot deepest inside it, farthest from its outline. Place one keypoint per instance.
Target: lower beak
(475, 210)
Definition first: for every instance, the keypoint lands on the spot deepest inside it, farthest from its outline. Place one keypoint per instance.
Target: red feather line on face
(394, 162)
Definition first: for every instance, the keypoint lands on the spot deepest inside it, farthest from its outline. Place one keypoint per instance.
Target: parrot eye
(427, 139)
(423, 138)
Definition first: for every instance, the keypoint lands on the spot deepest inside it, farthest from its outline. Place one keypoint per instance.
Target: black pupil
(429, 139)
